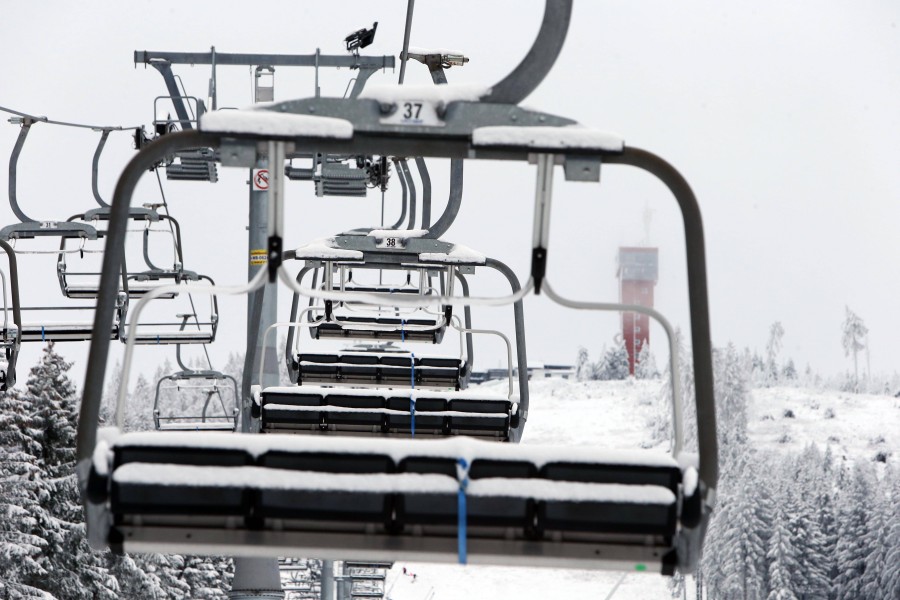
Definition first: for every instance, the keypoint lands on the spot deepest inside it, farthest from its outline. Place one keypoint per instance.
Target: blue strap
(402, 330)
(42, 333)
(157, 339)
(462, 473)
(412, 398)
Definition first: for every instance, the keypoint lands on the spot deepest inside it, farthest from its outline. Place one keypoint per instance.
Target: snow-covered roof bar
(274, 125)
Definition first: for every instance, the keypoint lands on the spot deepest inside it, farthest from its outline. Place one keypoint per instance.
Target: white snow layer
(459, 254)
(324, 249)
(402, 234)
(444, 94)
(689, 481)
(407, 483)
(253, 121)
(427, 51)
(296, 390)
(397, 449)
(573, 137)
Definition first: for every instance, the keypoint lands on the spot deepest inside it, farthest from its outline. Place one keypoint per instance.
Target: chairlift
(40, 330)
(454, 499)
(84, 284)
(193, 164)
(30, 228)
(215, 392)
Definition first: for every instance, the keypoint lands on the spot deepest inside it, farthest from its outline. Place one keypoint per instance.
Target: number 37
(411, 110)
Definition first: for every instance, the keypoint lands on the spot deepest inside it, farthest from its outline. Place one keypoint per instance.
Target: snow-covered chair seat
(145, 336)
(396, 369)
(61, 332)
(382, 328)
(389, 499)
(88, 291)
(196, 423)
(384, 411)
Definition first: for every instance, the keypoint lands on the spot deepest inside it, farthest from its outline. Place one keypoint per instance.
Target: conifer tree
(21, 513)
(77, 572)
(782, 559)
(851, 551)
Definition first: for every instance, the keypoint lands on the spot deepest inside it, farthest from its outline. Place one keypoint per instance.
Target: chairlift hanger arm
(273, 60)
(95, 167)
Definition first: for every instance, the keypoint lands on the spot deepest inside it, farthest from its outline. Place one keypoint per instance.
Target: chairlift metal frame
(671, 543)
(223, 422)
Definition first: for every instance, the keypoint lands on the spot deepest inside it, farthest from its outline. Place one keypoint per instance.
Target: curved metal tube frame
(696, 265)
(405, 199)
(13, 162)
(426, 192)
(95, 167)
(411, 185)
(529, 73)
(446, 219)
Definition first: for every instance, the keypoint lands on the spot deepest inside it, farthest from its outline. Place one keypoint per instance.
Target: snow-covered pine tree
(876, 540)
(810, 580)
(854, 506)
(734, 557)
(615, 362)
(773, 347)
(21, 489)
(853, 339)
(661, 422)
(731, 391)
(139, 409)
(77, 572)
(646, 364)
(583, 370)
(890, 575)
(781, 557)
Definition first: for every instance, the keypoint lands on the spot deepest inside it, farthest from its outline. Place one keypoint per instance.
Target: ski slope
(616, 414)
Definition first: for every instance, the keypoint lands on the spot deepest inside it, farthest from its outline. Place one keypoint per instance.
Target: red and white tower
(638, 272)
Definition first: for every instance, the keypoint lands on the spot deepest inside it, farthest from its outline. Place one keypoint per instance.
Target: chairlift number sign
(414, 112)
(391, 243)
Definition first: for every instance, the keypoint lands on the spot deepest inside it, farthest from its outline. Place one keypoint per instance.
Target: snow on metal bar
(324, 249)
(397, 449)
(458, 255)
(384, 393)
(393, 94)
(402, 234)
(574, 137)
(253, 121)
(572, 491)
(427, 51)
(411, 483)
(382, 411)
(279, 479)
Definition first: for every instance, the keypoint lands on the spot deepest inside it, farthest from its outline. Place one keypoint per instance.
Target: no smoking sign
(260, 180)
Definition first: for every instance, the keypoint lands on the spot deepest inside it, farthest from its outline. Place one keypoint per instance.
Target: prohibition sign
(261, 179)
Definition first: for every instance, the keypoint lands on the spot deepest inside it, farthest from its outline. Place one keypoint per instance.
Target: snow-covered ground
(612, 414)
(616, 414)
(854, 425)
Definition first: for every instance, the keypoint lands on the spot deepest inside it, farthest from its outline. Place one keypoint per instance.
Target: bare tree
(854, 339)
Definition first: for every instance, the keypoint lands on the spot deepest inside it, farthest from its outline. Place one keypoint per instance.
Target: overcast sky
(783, 116)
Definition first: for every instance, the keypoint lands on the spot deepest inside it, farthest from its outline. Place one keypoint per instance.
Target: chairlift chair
(386, 390)
(194, 164)
(30, 228)
(454, 499)
(212, 386)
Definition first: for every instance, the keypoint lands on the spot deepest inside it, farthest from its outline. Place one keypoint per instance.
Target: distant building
(638, 273)
(535, 371)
